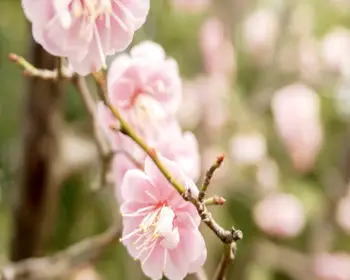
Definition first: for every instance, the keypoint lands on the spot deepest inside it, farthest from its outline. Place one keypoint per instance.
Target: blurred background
(267, 82)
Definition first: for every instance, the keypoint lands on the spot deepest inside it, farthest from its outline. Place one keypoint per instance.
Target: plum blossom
(160, 228)
(280, 215)
(179, 147)
(145, 86)
(218, 52)
(248, 148)
(296, 110)
(260, 34)
(335, 49)
(332, 266)
(85, 31)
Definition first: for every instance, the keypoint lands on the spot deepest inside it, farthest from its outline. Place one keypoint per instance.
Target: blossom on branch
(85, 31)
(160, 228)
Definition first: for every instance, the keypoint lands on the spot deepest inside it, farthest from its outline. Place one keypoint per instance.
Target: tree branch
(62, 264)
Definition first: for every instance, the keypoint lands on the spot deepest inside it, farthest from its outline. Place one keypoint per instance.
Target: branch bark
(38, 189)
(62, 264)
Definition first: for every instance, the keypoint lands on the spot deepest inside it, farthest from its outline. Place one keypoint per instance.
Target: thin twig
(32, 71)
(61, 264)
(226, 260)
(103, 145)
(208, 175)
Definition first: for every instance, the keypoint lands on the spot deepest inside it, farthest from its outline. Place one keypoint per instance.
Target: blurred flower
(248, 148)
(85, 31)
(160, 228)
(193, 6)
(280, 215)
(296, 110)
(343, 213)
(267, 176)
(260, 33)
(332, 266)
(310, 65)
(218, 52)
(207, 103)
(336, 49)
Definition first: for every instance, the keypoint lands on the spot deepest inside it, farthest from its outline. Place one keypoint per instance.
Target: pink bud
(280, 215)
(296, 110)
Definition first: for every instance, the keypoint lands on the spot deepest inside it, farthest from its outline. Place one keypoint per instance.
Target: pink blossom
(176, 146)
(146, 88)
(193, 6)
(280, 215)
(335, 50)
(159, 228)
(85, 31)
(218, 51)
(267, 176)
(209, 100)
(260, 33)
(332, 266)
(296, 110)
(342, 214)
(248, 148)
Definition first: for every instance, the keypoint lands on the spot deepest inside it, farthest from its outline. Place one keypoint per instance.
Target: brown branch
(208, 175)
(38, 189)
(226, 260)
(62, 264)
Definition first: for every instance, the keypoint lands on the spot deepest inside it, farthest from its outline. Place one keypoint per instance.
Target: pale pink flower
(209, 99)
(280, 215)
(335, 51)
(260, 34)
(145, 86)
(343, 213)
(85, 31)
(193, 6)
(296, 110)
(267, 176)
(176, 146)
(332, 266)
(159, 227)
(248, 148)
(218, 52)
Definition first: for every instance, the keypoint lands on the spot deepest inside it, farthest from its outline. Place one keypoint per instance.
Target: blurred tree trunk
(38, 191)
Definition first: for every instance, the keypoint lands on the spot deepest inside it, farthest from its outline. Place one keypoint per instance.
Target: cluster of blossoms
(160, 228)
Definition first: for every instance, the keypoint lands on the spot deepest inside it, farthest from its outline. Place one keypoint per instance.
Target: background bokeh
(266, 82)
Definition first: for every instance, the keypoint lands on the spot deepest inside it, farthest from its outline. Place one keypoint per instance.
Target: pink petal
(153, 266)
(136, 185)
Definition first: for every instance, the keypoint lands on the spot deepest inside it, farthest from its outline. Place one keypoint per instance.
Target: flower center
(156, 227)
(90, 8)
